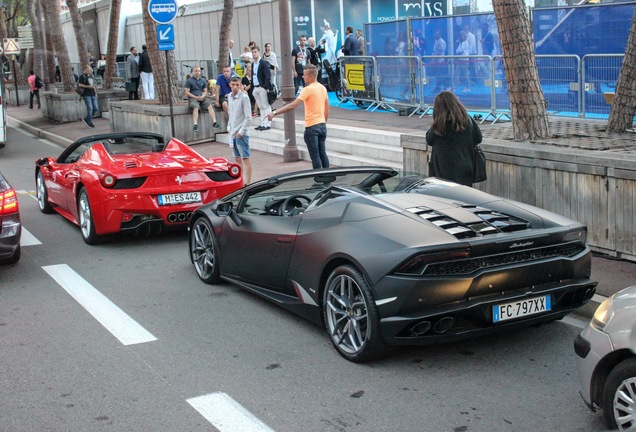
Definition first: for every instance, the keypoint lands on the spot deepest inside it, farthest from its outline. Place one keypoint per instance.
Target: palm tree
(527, 102)
(51, 10)
(48, 41)
(159, 61)
(226, 28)
(78, 27)
(111, 50)
(624, 106)
(38, 49)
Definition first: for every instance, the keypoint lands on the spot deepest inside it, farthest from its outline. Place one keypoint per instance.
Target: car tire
(619, 396)
(85, 218)
(204, 251)
(42, 194)
(351, 316)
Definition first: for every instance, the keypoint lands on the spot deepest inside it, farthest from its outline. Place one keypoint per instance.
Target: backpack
(38, 82)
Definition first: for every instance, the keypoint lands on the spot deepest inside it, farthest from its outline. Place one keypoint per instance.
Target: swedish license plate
(180, 198)
(521, 308)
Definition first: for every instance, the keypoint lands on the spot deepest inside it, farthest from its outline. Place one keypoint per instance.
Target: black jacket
(144, 62)
(453, 154)
(264, 74)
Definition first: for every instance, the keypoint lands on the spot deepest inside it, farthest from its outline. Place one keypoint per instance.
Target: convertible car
(130, 182)
(381, 258)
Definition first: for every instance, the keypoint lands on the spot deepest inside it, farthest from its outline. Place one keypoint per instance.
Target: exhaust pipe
(444, 325)
(421, 327)
(182, 217)
(172, 217)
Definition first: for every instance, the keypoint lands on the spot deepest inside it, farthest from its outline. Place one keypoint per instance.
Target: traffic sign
(163, 11)
(165, 33)
(169, 46)
(25, 34)
(11, 46)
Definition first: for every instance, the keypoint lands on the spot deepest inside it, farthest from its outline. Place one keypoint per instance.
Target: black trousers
(134, 94)
(35, 93)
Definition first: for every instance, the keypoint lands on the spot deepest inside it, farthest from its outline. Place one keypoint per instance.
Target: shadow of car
(606, 358)
(10, 224)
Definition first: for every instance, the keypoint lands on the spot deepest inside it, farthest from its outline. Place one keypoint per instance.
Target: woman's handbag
(479, 166)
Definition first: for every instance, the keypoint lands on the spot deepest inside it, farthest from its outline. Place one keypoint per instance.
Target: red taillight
(234, 170)
(107, 179)
(8, 202)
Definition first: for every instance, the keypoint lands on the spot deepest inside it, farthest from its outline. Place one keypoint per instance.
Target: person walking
(35, 84)
(238, 127)
(262, 83)
(314, 96)
(87, 82)
(145, 72)
(132, 72)
(271, 57)
(453, 136)
(196, 89)
(362, 48)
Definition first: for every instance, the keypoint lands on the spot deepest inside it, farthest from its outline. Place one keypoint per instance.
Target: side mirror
(43, 161)
(227, 209)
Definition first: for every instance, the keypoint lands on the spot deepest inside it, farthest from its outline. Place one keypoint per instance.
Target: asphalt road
(124, 336)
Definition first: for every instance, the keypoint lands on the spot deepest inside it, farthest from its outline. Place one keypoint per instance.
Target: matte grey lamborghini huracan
(384, 259)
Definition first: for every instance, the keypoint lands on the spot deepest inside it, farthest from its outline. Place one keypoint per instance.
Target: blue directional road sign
(168, 46)
(165, 33)
(163, 11)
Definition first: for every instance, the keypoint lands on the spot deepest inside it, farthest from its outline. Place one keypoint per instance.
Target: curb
(61, 141)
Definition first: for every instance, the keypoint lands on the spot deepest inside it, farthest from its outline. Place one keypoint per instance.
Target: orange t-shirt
(314, 97)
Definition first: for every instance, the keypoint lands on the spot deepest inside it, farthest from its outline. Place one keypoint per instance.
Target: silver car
(606, 357)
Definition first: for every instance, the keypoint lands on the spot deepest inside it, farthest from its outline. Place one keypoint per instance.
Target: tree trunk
(48, 38)
(623, 108)
(80, 36)
(111, 50)
(527, 102)
(51, 10)
(158, 61)
(38, 51)
(224, 36)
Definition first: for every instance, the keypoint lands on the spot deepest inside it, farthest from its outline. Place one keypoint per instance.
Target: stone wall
(147, 116)
(597, 188)
(70, 107)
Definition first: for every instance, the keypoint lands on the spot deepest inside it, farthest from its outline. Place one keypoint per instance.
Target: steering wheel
(283, 210)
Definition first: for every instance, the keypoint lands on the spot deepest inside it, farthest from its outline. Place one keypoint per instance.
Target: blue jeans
(241, 147)
(315, 137)
(91, 108)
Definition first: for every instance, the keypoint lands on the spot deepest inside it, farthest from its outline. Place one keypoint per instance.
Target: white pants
(148, 84)
(260, 94)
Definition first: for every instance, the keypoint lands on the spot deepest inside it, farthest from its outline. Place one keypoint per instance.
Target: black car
(384, 259)
(10, 225)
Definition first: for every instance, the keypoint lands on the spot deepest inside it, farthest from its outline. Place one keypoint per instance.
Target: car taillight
(107, 179)
(8, 202)
(234, 170)
(417, 264)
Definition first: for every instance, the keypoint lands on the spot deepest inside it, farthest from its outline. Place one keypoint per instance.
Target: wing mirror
(227, 209)
(43, 161)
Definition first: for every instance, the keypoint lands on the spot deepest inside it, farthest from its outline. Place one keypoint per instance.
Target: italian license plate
(180, 198)
(521, 308)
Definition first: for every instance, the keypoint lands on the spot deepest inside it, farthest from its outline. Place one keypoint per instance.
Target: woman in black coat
(453, 136)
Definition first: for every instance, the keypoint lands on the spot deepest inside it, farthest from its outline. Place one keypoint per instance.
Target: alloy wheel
(347, 314)
(624, 404)
(203, 251)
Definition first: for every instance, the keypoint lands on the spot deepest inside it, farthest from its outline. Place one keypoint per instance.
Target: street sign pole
(15, 80)
(164, 12)
(170, 94)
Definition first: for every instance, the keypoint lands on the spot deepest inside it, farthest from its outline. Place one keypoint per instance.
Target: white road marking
(28, 239)
(226, 414)
(575, 321)
(116, 321)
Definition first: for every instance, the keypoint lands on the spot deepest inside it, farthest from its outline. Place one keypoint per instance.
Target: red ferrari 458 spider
(130, 182)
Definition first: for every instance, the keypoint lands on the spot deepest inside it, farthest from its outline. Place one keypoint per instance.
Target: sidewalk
(612, 274)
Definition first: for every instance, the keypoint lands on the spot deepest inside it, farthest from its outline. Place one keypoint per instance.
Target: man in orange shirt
(316, 100)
